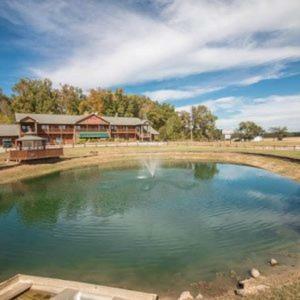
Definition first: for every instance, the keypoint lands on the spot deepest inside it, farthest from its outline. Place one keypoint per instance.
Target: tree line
(39, 96)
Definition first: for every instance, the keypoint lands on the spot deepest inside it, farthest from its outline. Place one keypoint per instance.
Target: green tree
(279, 132)
(69, 99)
(6, 113)
(172, 130)
(248, 130)
(205, 171)
(203, 123)
(35, 96)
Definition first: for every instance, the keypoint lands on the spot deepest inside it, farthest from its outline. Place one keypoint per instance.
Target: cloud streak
(103, 44)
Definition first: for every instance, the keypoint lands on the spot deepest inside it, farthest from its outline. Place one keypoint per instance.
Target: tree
(94, 102)
(249, 130)
(186, 122)
(205, 171)
(172, 130)
(69, 99)
(6, 113)
(35, 96)
(279, 132)
(203, 123)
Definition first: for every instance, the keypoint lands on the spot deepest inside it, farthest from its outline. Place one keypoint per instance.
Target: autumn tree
(94, 102)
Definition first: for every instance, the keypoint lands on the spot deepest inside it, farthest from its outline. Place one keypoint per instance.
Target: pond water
(125, 228)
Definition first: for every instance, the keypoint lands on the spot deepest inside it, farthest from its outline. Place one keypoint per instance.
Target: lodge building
(69, 129)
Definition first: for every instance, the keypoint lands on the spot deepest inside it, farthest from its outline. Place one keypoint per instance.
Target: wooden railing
(56, 131)
(31, 154)
(123, 131)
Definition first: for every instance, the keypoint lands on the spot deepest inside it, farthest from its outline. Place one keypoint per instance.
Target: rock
(273, 262)
(199, 296)
(186, 295)
(251, 290)
(254, 273)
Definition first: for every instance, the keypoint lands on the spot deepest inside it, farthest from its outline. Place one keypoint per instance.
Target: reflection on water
(129, 228)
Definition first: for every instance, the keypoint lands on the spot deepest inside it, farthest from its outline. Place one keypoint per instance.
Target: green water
(124, 228)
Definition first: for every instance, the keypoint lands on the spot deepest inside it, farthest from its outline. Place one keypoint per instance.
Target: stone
(186, 295)
(199, 296)
(254, 273)
(273, 262)
(251, 290)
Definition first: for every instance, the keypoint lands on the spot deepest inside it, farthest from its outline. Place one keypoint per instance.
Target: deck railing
(32, 154)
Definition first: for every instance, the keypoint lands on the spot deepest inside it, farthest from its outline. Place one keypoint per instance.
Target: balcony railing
(55, 131)
(32, 154)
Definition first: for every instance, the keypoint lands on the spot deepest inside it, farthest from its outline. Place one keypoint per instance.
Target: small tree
(248, 130)
(279, 132)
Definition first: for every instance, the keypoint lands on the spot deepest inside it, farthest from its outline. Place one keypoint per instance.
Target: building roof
(49, 118)
(9, 130)
(129, 121)
(151, 130)
(73, 119)
(29, 138)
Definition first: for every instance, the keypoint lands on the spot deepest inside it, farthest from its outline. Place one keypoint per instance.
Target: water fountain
(151, 165)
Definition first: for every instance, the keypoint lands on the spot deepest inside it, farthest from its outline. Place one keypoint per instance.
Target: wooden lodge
(69, 129)
(30, 147)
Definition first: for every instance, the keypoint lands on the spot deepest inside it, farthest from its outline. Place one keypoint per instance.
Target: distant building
(227, 134)
(68, 129)
(258, 138)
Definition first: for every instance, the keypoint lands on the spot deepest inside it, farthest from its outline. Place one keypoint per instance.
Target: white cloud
(268, 112)
(172, 94)
(100, 43)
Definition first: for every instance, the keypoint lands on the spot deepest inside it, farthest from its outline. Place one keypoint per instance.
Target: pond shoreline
(281, 166)
(114, 159)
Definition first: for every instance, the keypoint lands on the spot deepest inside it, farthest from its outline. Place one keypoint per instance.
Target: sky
(239, 58)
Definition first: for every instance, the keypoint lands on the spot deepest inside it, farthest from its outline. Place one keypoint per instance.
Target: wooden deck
(26, 155)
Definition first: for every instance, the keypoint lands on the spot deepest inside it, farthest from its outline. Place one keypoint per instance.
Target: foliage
(205, 171)
(69, 99)
(279, 132)
(172, 130)
(248, 130)
(6, 114)
(35, 96)
(39, 96)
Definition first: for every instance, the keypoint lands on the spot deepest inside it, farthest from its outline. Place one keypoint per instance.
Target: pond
(160, 233)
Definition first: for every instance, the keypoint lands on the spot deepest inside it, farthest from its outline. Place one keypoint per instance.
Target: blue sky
(240, 58)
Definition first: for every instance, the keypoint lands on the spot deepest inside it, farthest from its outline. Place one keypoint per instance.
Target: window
(58, 140)
(62, 127)
(25, 128)
(78, 127)
(45, 127)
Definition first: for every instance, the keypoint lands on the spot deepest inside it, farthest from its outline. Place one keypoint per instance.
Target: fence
(235, 145)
